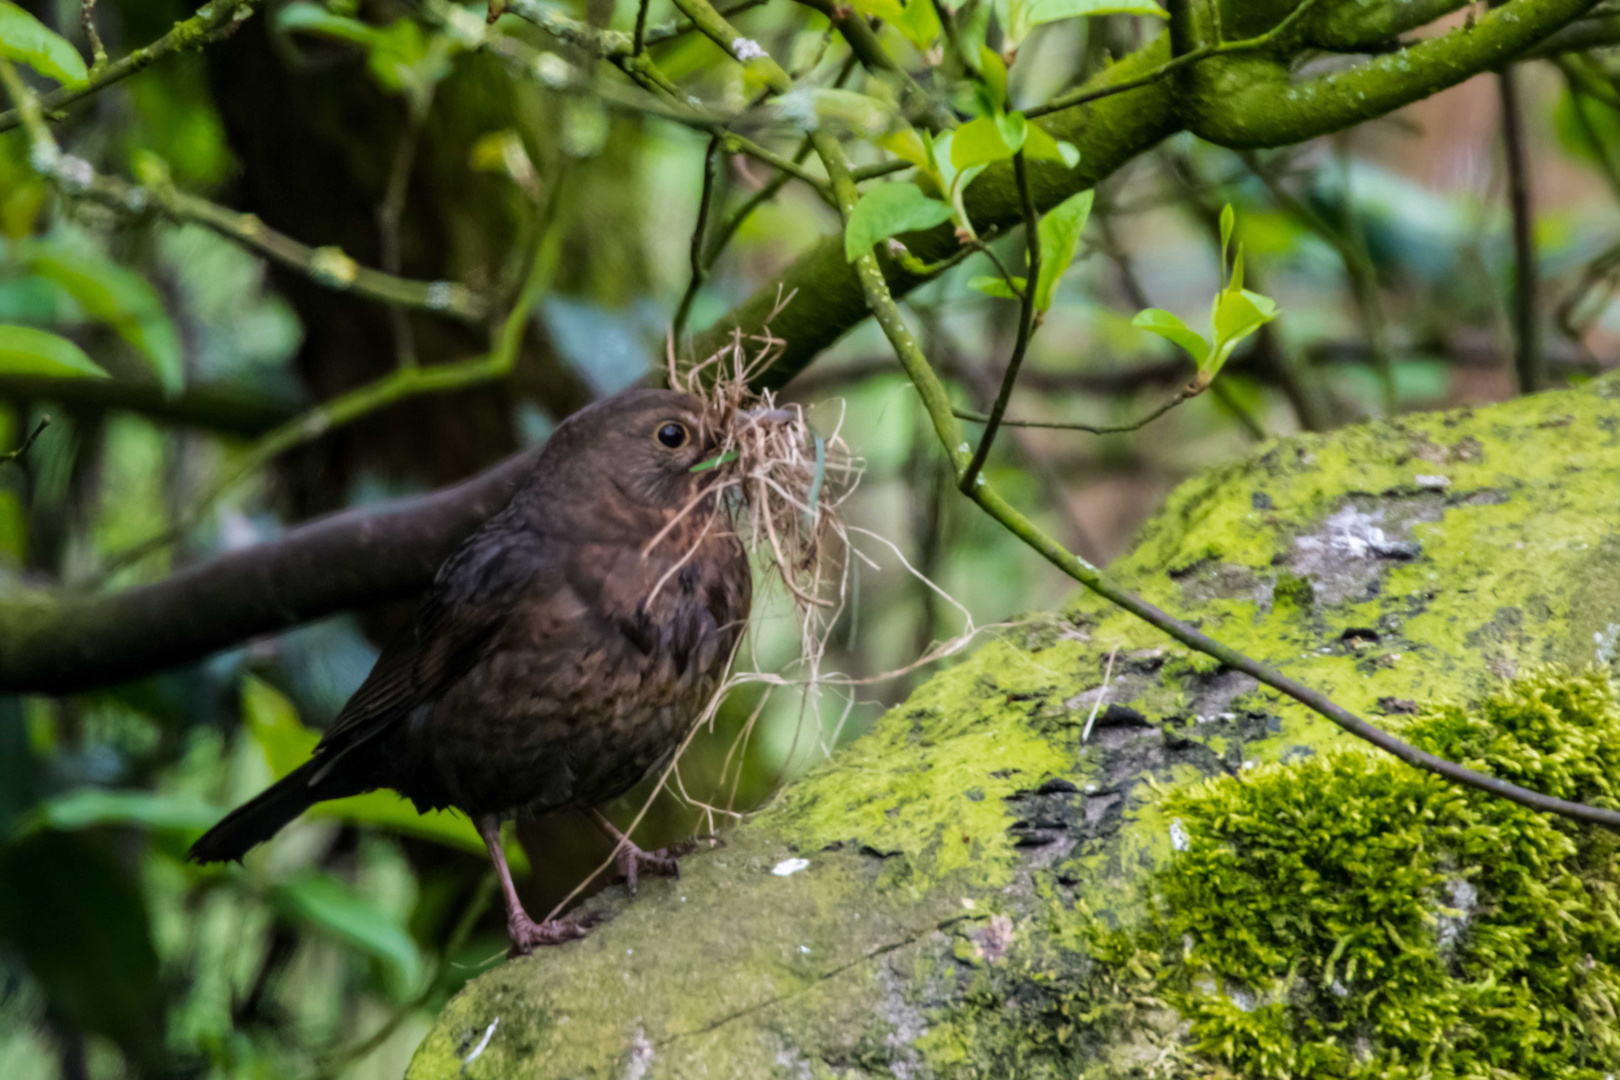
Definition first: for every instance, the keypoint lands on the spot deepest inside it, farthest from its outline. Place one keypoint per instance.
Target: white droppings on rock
(1433, 483)
(1463, 898)
(1179, 840)
(1607, 641)
(641, 1056)
(788, 867)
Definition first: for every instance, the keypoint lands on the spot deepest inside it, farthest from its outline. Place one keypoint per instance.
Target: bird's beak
(768, 416)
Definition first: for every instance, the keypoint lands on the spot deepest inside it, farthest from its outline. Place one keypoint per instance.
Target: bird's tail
(261, 817)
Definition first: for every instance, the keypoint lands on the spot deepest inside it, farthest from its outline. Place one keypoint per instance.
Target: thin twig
(20, 454)
(1094, 429)
(723, 235)
(638, 42)
(1350, 244)
(1527, 356)
(983, 387)
(211, 22)
(328, 266)
(606, 44)
(711, 165)
(389, 213)
(1026, 326)
(1203, 52)
(87, 19)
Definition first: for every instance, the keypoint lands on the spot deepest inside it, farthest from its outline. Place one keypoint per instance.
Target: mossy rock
(984, 893)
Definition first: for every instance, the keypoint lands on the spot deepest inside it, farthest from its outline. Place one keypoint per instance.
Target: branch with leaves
(937, 403)
(27, 41)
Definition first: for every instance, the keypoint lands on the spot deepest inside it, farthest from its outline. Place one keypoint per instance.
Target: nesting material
(780, 483)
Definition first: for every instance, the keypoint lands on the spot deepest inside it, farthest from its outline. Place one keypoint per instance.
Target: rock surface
(958, 859)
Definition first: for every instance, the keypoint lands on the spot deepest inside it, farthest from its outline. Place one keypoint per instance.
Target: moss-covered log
(1213, 880)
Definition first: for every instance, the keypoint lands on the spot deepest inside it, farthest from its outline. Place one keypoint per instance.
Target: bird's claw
(632, 860)
(528, 935)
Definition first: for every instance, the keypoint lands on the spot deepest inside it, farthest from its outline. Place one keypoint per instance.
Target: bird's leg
(631, 859)
(526, 934)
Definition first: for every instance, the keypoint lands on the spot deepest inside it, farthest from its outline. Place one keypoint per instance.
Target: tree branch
(226, 409)
(349, 560)
(211, 22)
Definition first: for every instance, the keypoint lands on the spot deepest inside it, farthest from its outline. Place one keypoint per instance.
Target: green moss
(1347, 915)
(930, 784)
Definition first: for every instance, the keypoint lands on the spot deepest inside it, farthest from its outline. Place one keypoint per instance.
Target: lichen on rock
(987, 895)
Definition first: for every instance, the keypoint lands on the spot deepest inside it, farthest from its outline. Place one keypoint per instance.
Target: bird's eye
(673, 434)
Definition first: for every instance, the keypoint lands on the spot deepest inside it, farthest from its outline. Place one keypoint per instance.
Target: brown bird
(564, 649)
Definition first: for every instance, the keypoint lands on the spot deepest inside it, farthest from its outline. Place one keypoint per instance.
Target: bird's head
(640, 451)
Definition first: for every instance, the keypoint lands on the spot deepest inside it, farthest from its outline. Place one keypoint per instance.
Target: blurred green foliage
(380, 134)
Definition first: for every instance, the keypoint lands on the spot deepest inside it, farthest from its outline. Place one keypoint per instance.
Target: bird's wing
(473, 596)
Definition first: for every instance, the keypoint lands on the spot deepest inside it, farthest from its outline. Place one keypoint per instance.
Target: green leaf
(27, 351)
(315, 19)
(1046, 11)
(890, 11)
(77, 921)
(920, 24)
(1060, 233)
(114, 295)
(1236, 317)
(1013, 128)
(1013, 17)
(887, 210)
(907, 145)
(1040, 146)
(401, 58)
(286, 744)
(959, 187)
(994, 71)
(327, 904)
(978, 142)
(1267, 306)
(154, 811)
(26, 40)
(996, 286)
(1168, 325)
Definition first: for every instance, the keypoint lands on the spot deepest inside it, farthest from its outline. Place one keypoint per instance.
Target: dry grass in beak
(789, 481)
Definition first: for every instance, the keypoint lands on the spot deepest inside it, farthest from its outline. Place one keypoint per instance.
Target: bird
(563, 650)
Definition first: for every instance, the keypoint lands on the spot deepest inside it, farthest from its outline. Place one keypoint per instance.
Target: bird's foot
(528, 935)
(633, 862)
